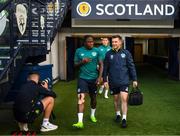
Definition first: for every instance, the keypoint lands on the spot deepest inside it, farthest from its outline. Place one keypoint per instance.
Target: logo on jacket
(126, 89)
(94, 53)
(82, 54)
(123, 55)
(111, 57)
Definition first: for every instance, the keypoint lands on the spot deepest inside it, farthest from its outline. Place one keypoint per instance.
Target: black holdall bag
(135, 97)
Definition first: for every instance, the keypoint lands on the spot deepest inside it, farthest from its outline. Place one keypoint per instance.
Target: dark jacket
(119, 67)
(28, 95)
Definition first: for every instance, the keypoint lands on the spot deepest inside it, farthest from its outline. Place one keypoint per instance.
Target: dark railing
(11, 61)
(34, 34)
(4, 5)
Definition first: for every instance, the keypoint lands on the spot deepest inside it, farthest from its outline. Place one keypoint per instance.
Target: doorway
(159, 51)
(138, 54)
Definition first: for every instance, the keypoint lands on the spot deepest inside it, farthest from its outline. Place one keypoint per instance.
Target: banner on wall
(21, 17)
(3, 21)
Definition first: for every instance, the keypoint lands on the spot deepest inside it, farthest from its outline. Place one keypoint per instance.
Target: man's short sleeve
(100, 55)
(76, 58)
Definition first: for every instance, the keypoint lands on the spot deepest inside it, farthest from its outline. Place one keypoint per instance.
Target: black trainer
(118, 119)
(124, 125)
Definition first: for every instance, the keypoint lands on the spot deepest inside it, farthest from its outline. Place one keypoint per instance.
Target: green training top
(103, 50)
(88, 70)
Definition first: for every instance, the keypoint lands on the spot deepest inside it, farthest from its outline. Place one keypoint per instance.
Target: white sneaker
(48, 127)
(101, 90)
(106, 97)
(23, 126)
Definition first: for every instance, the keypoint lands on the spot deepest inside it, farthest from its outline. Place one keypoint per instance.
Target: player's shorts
(86, 86)
(29, 117)
(37, 109)
(117, 89)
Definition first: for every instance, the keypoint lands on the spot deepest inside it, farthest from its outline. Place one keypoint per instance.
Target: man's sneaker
(48, 127)
(23, 126)
(101, 90)
(118, 119)
(93, 119)
(124, 123)
(106, 97)
(78, 125)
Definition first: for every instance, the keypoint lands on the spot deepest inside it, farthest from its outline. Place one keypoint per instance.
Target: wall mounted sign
(124, 9)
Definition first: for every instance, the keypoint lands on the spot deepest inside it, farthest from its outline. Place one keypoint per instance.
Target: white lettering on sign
(99, 8)
(107, 9)
(130, 8)
(122, 9)
(169, 10)
(136, 11)
(158, 9)
(148, 10)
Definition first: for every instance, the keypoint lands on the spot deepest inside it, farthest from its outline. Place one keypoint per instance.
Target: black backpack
(135, 97)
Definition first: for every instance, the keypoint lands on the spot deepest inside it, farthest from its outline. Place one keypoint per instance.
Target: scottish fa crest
(83, 9)
(21, 16)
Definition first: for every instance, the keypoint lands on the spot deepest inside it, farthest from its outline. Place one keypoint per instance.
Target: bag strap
(135, 89)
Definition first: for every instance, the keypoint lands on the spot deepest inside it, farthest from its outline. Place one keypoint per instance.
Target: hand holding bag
(135, 97)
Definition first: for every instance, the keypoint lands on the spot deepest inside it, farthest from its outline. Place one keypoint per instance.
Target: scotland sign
(125, 9)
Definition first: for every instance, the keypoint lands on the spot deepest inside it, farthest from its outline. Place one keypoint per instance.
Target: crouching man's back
(31, 101)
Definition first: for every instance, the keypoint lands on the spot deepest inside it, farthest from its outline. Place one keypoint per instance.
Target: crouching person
(29, 103)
